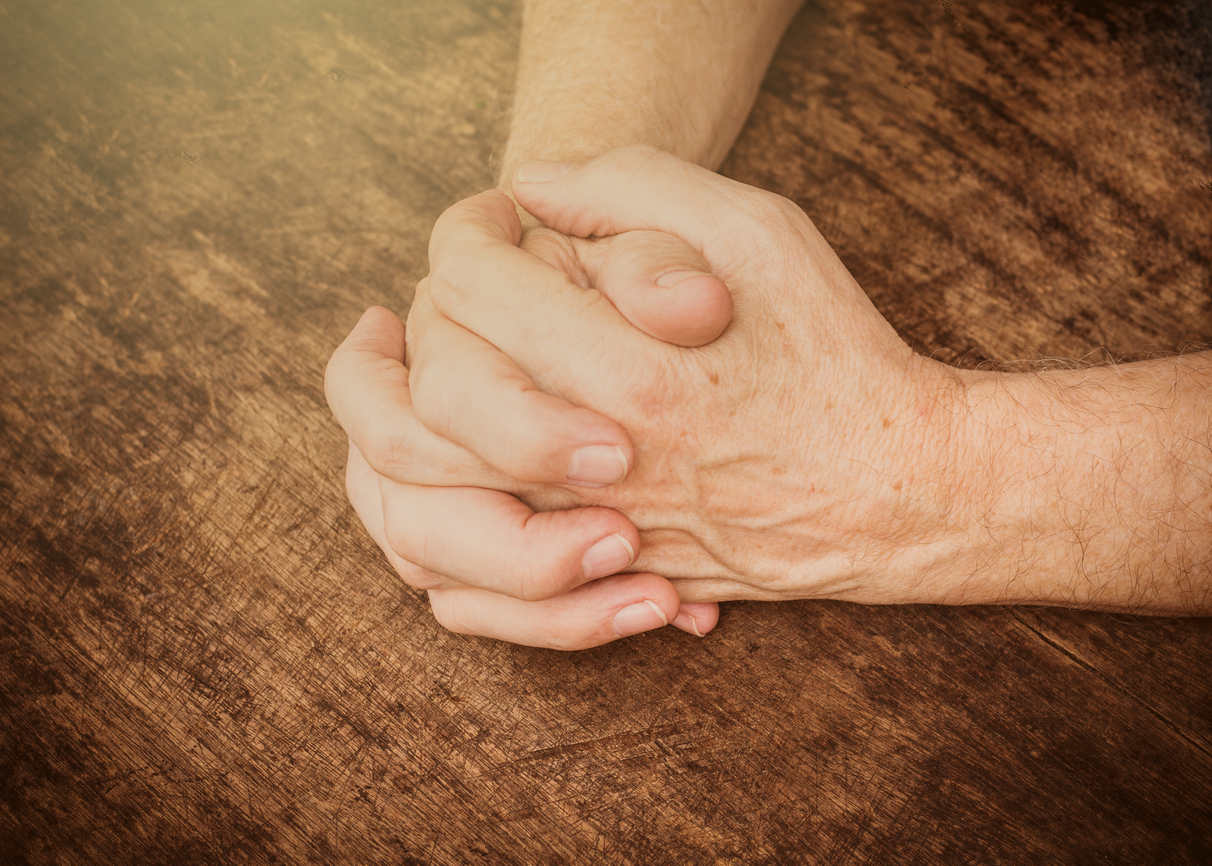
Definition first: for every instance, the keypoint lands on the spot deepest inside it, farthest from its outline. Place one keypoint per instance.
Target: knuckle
(414, 553)
(446, 612)
(452, 276)
(421, 548)
(623, 255)
(400, 540)
(535, 583)
(533, 576)
(431, 394)
(774, 222)
(419, 578)
(449, 222)
(388, 451)
(543, 567)
(554, 249)
(791, 215)
(459, 234)
(773, 210)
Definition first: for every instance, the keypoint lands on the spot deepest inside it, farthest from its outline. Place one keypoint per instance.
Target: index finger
(366, 384)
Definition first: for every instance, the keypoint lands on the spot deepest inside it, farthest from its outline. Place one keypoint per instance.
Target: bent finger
(362, 488)
(494, 541)
(588, 616)
(366, 384)
(467, 391)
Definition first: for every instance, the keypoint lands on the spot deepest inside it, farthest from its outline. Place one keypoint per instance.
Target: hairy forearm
(1097, 487)
(596, 75)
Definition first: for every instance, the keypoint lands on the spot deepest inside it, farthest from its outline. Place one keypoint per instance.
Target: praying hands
(563, 411)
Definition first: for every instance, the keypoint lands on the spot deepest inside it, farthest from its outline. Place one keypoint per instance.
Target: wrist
(934, 495)
(1088, 488)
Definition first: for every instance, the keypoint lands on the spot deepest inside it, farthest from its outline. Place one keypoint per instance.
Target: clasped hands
(670, 394)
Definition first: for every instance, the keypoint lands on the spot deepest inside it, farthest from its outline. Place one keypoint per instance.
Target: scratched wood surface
(203, 660)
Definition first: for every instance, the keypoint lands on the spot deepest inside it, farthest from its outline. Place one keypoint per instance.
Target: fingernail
(635, 618)
(540, 171)
(674, 277)
(597, 465)
(613, 553)
(685, 620)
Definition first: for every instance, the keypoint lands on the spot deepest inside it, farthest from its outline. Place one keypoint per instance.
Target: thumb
(660, 284)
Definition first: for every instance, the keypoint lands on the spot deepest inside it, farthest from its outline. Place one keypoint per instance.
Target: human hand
(807, 452)
(523, 577)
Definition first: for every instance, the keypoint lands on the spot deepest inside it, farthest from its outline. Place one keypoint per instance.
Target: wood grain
(203, 660)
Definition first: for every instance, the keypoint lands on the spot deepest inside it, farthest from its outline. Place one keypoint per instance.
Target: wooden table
(204, 660)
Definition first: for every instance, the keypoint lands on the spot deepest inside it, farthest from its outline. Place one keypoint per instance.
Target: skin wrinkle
(766, 522)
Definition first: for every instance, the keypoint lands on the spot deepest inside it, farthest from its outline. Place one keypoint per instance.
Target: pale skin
(804, 452)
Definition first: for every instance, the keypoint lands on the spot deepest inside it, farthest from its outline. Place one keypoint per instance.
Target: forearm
(681, 76)
(1098, 487)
